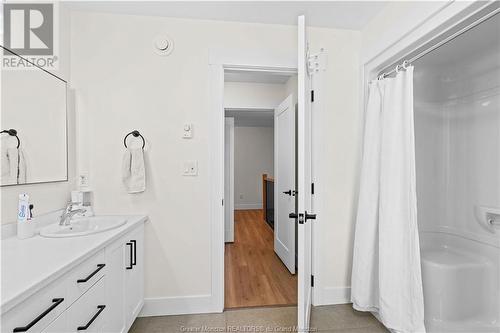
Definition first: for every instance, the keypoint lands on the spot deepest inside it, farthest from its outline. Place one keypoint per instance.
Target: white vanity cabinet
(102, 293)
(134, 275)
(126, 269)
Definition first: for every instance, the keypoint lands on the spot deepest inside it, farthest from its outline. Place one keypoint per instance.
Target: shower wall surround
(457, 120)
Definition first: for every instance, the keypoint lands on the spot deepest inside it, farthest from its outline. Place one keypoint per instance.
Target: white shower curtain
(386, 276)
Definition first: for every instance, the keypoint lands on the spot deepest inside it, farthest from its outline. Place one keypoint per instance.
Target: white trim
(165, 306)
(248, 206)
(430, 27)
(216, 168)
(219, 59)
(229, 197)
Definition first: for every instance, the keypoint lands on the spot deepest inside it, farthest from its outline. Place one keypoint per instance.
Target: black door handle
(309, 216)
(99, 267)
(83, 328)
(131, 250)
(290, 192)
(55, 301)
(302, 217)
(134, 261)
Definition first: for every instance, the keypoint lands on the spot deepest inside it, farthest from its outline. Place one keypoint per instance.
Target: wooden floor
(254, 275)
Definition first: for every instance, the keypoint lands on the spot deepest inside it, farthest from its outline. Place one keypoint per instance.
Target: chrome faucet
(68, 214)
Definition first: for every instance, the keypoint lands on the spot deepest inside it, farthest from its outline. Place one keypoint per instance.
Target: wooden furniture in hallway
(254, 275)
(268, 199)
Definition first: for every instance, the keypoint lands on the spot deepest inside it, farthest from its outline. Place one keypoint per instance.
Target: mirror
(33, 117)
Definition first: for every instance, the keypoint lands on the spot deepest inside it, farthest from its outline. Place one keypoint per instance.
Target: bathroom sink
(83, 226)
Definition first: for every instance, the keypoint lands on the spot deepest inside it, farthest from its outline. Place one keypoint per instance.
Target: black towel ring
(135, 134)
(12, 132)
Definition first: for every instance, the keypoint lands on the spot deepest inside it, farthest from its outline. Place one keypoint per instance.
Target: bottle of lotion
(25, 227)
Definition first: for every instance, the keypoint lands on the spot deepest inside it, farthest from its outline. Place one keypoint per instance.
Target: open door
(304, 200)
(284, 182)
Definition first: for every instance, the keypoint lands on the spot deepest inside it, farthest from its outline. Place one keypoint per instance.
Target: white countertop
(30, 264)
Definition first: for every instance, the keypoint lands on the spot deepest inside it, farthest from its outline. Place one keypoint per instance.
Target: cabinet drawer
(88, 313)
(85, 275)
(35, 313)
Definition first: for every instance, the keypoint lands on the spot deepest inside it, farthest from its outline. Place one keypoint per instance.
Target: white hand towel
(13, 167)
(21, 167)
(133, 170)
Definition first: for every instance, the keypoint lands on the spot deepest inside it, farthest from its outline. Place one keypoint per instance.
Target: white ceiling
(256, 77)
(330, 14)
(251, 118)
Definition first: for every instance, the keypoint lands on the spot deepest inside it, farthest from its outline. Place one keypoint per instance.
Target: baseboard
(247, 206)
(164, 306)
(335, 295)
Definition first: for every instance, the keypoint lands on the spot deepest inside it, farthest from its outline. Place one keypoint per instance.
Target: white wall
(253, 156)
(253, 95)
(122, 84)
(51, 196)
(380, 32)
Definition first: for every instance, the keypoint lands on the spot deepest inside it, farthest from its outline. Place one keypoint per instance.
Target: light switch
(190, 168)
(188, 131)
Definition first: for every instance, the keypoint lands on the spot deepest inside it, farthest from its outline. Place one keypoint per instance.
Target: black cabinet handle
(99, 267)
(134, 262)
(83, 328)
(55, 301)
(131, 250)
(289, 192)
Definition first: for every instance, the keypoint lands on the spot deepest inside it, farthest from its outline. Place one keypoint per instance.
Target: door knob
(309, 216)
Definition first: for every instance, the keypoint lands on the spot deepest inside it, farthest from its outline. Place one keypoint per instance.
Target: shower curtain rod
(407, 63)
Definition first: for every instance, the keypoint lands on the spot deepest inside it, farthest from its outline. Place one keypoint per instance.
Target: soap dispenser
(25, 225)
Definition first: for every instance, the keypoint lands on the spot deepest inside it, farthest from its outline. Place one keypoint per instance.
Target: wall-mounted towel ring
(135, 134)
(12, 132)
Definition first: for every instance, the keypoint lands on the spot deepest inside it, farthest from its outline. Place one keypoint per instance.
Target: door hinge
(312, 95)
(312, 280)
(312, 188)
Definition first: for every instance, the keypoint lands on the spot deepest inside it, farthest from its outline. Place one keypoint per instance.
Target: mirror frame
(66, 179)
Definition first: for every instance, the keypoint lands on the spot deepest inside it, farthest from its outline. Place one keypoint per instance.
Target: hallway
(254, 275)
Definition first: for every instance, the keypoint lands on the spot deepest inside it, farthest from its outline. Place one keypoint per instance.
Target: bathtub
(461, 283)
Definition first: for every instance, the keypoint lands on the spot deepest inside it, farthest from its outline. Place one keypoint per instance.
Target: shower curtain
(386, 277)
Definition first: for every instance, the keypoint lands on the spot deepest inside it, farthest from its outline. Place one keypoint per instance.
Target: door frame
(229, 202)
(219, 61)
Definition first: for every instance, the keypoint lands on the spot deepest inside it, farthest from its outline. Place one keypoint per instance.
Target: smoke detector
(163, 45)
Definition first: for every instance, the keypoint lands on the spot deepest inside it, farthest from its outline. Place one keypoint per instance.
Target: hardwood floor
(254, 275)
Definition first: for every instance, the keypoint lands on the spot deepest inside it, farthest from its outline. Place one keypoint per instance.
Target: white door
(304, 200)
(284, 182)
(229, 180)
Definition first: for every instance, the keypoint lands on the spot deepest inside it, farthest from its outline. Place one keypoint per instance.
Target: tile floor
(324, 319)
